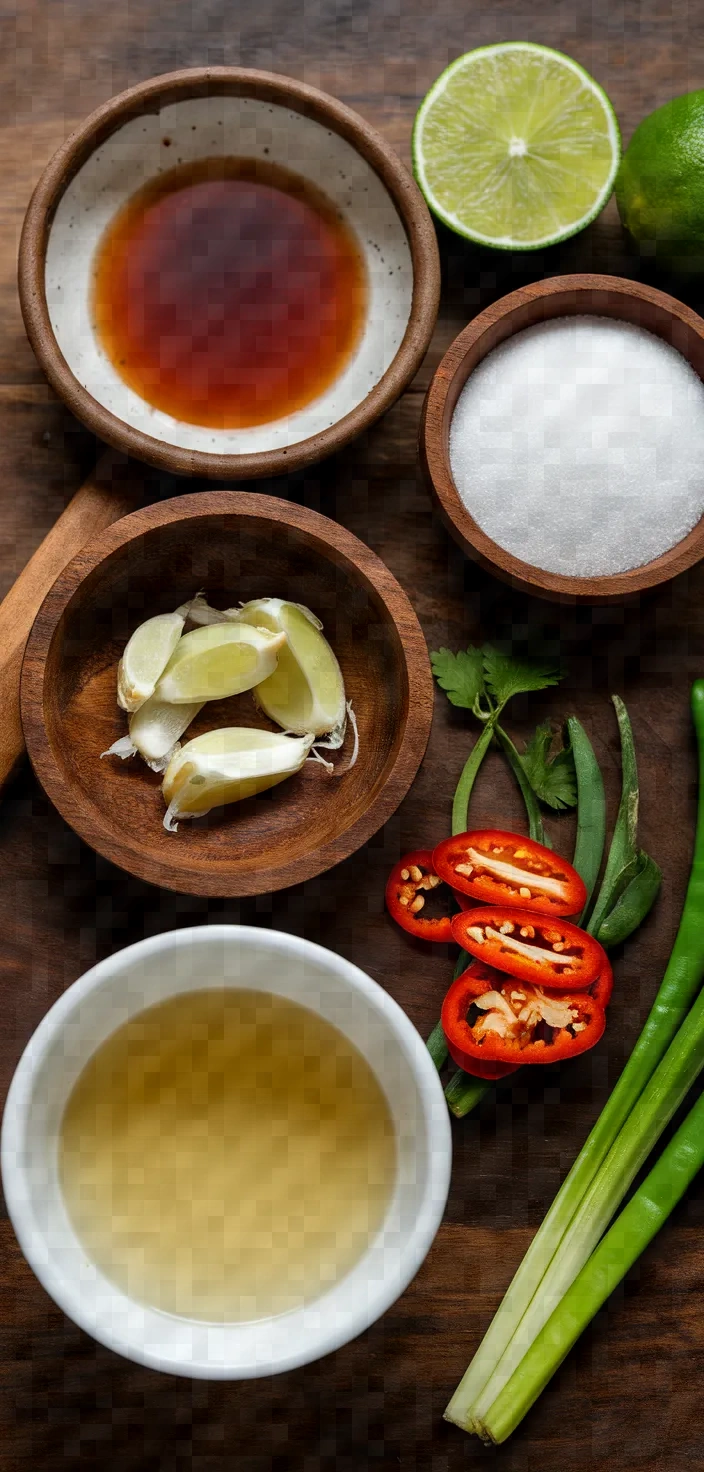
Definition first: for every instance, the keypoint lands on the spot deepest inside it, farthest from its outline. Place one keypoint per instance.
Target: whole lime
(660, 184)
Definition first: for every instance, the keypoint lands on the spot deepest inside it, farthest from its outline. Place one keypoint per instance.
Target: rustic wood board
(631, 1396)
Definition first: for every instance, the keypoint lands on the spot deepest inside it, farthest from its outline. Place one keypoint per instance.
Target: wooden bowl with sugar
(235, 546)
(592, 296)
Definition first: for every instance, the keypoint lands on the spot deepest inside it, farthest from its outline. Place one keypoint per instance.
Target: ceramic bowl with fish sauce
(228, 273)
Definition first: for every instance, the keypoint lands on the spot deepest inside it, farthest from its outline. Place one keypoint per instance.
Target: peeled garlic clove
(306, 691)
(145, 658)
(156, 728)
(227, 766)
(217, 661)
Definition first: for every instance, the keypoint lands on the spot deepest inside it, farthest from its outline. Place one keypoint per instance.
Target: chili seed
(415, 873)
(527, 932)
(558, 946)
(465, 869)
(403, 899)
(507, 928)
(405, 874)
(476, 934)
(417, 904)
(524, 893)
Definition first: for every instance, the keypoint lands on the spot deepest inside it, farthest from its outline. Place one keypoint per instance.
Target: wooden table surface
(632, 1394)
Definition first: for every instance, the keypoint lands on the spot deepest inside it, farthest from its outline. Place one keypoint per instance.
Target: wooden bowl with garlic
(226, 694)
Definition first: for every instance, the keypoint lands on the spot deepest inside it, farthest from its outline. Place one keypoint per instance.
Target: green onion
(437, 1046)
(680, 983)
(464, 1092)
(591, 810)
(664, 1093)
(630, 1234)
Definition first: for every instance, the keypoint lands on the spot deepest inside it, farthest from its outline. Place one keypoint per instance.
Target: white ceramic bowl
(138, 977)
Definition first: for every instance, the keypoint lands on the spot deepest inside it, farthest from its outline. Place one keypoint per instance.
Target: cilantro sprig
(483, 680)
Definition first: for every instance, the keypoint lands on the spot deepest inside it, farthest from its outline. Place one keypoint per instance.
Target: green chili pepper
(591, 810)
(622, 863)
(635, 903)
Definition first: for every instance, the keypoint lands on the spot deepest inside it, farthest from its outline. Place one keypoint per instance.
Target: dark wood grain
(234, 546)
(106, 496)
(631, 1395)
(562, 296)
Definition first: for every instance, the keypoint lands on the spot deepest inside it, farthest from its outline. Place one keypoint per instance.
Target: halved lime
(516, 146)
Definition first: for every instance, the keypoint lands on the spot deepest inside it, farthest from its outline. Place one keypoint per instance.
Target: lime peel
(515, 146)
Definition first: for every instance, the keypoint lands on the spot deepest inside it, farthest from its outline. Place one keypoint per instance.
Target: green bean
(591, 810)
(622, 863)
(635, 903)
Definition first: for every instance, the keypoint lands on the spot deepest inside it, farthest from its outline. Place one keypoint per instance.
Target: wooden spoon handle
(104, 497)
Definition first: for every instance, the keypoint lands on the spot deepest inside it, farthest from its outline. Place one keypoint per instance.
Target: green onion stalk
(657, 1077)
(627, 1238)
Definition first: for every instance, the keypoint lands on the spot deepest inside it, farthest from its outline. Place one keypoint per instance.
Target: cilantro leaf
(461, 676)
(509, 674)
(553, 779)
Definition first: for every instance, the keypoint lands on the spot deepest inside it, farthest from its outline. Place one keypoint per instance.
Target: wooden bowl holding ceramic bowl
(478, 523)
(228, 113)
(234, 546)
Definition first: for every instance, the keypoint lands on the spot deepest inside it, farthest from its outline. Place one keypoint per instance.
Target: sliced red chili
(497, 1019)
(478, 1067)
(407, 887)
(602, 988)
(504, 869)
(551, 953)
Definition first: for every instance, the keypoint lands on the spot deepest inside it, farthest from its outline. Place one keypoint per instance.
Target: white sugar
(578, 445)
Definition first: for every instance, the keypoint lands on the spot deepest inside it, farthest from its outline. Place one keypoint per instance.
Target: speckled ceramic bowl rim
(149, 97)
